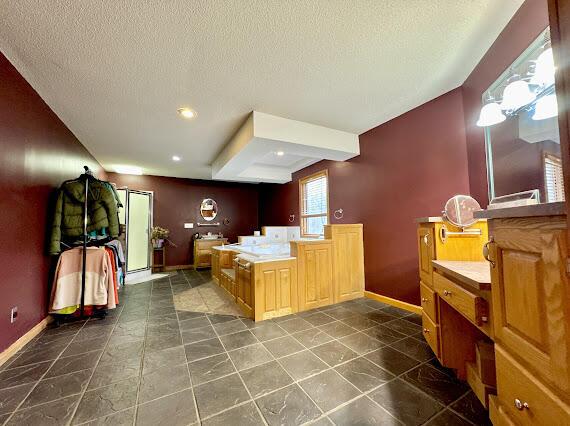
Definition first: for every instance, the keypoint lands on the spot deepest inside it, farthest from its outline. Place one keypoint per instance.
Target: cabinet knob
(426, 330)
(486, 252)
(424, 300)
(446, 293)
(519, 405)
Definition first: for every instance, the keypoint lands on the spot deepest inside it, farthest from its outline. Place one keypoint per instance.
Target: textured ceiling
(116, 71)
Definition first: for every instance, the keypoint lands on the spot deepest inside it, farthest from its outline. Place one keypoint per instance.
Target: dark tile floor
(355, 363)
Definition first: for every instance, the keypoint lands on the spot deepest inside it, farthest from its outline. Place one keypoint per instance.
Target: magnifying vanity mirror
(208, 209)
(458, 211)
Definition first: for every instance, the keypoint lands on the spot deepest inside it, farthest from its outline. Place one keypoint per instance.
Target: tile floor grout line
(42, 377)
(141, 363)
(72, 417)
(239, 375)
(276, 359)
(297, 382)
(198, 419)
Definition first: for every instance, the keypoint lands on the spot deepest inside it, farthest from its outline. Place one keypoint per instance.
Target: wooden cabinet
(426, 252)
(428, 300)
(431, 333)
(215, 257)
(314, 272)
(435, 242)
(472, 306)
(203, 251)
(497, 413)
(531, 297)
(348, 261)
(275, 289)
(526, 400)
(245, 295)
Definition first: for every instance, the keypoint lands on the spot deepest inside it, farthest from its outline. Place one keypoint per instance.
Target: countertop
(473, 274)
(543, 209)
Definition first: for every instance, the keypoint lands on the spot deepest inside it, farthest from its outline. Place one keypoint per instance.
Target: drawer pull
(486, 252)
(446, 293)
(424, 299)
(426, 330)
(519, 405)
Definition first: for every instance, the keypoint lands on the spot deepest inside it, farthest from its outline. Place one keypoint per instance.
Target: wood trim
(394, 302)
(11, 350)
(559, 20)
(306, 179)
(175, 267)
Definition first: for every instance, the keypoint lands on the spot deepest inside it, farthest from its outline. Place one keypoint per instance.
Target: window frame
(302, 182)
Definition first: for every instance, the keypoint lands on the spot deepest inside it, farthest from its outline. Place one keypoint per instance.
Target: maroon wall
(407, 168)
(526, 25)
(177, 201)
(38, 152)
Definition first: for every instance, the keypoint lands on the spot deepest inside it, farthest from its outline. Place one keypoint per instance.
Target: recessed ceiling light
(280, 153)
(129, 170)
(175, 158)
(186, 112)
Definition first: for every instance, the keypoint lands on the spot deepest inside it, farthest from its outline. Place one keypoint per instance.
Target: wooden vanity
(504, 324)
(203, 251)
(317, 273)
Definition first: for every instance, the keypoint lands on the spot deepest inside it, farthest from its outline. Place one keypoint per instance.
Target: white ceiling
(116, 71)
(251, 155)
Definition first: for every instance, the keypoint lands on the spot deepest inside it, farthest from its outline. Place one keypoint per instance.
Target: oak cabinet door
(426, 250)
(531, 299)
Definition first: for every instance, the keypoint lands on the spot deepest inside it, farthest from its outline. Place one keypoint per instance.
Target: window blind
(553, 179)
(314, 204)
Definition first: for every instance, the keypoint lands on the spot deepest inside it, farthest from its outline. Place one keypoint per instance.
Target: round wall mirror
(459, 210)
(208, 209)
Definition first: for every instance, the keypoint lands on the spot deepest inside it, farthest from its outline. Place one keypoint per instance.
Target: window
(314, 198)
(553, 180)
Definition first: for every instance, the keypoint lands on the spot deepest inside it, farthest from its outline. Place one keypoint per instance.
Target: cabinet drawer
(474, 307)
(431, 333)
(527, 401)
(428, 301)
(497, 413)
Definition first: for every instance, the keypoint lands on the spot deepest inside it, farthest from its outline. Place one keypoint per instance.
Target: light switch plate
(188, 225)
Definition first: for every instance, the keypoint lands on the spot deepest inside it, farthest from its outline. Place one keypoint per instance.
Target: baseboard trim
(176, 267)
(394, 302)
(25, 339)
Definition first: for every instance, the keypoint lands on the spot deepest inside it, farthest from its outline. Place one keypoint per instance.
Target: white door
(139, 222)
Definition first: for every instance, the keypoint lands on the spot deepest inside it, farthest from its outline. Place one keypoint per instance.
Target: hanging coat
(68, 216)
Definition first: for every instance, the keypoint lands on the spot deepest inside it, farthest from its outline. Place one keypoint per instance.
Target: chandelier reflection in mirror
(528, 85)
(520, 117)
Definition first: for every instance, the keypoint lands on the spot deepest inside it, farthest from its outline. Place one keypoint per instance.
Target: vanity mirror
(520, 116)
(458, 211)
(208, 209)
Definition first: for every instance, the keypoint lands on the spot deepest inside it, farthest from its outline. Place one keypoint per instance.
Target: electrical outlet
(13, 315)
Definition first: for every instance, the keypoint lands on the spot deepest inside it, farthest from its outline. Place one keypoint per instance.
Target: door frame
(151, 222)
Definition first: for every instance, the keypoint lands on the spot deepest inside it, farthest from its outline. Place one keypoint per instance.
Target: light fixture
(490, 114)
(129, 170)
(280, 153)
(546, 107)
(186, 112)
(175, 158)
(544, 69)
(516, 95)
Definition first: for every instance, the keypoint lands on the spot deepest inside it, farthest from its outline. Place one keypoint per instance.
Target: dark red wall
(38, 152)
(177, 201)
(526, 25)
(407, 168)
